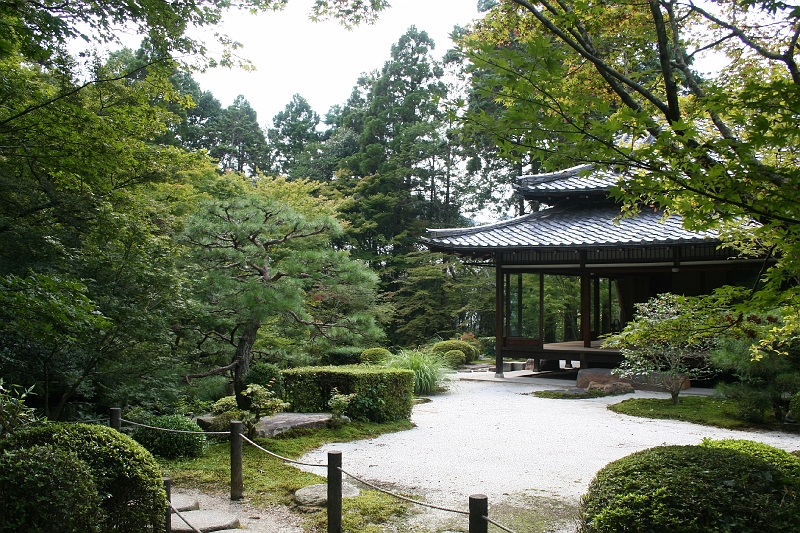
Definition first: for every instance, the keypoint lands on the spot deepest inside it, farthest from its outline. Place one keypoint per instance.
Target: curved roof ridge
(545, 177)
(452, 232)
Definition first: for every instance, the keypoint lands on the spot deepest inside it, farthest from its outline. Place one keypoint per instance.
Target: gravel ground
(494, 438)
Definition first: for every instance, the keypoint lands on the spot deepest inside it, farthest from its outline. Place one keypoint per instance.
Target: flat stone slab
(184, 502)
(604, 375)
(269, 426)
(204, 521)
(317, 495)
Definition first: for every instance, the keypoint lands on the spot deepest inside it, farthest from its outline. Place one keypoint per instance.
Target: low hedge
(43, 486)
(126, 475)
(382, 395)
(690, 489)
(168, 444)
(342, 355)
(375, 356)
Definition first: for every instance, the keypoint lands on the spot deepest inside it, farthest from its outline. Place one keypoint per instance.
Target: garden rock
(614, 388)
(317, 495)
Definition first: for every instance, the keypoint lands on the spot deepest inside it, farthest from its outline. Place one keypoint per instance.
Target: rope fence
(478, 503)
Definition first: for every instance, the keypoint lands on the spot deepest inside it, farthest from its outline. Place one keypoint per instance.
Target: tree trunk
(242, 360)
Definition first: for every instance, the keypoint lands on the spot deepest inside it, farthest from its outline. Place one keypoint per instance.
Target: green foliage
(428, 369)
(261, 402)
(265, 374)
(14, 414)
(454, 358)
(469, 349)
(339, 403)
(766, 378)
(170, 445)
(781, 459)
(342, 355)
(126, 475)
(224, 405)
(382, 394)
(795, 406)
(41, 486)
(690, 489)
(668, 342)
(375, 356)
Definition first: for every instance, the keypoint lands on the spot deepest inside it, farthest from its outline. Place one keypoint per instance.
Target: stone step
(183, 502)
(205, 521)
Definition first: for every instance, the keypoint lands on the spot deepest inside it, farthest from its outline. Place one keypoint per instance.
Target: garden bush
(267, 375)
(126, 475)
(454, 358)
(42, 486)
(788, 463)
(445, 346)
(168, 444)
(690, 489)
(428, 369)
(382, 395)
(375, 356)
(342, 355)
(794, 406)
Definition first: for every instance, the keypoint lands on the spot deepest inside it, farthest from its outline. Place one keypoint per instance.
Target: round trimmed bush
(454, 358)
(788, 463)
(168, 444)
(42, 486)
(267, 375)
(445, 346)
(126, 475)
(690, 489)
(375, 356)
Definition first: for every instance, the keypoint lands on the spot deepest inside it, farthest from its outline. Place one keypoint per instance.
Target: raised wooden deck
(566, 351)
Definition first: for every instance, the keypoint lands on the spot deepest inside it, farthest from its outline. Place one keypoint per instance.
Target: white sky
(320, 60)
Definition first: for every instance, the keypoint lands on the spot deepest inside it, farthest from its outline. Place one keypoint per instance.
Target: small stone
(317, 495)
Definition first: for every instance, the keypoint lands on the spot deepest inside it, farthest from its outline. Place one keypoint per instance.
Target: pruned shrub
(428, 368)
(342, 355)
(454, 358)
(126, 475)
(168, 444)
(690, 489)
(42, 486)
(267, 375)
(469, 350)
(794, 406)
(788, 463)
(375, 356)
(382, 395)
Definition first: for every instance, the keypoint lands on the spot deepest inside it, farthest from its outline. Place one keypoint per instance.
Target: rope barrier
(183, 518)
(282, 458)
(504, 528)
(176, 430)
(401, 497)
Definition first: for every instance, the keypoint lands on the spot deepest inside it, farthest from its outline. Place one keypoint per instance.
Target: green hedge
(43, 486)
(375, 356)
(342, 355)
(383, 395)
(691, 489)
(788, 463)
(127, 477)
(168, 444)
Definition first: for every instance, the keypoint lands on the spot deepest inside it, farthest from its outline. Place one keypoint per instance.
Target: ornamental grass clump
(429, 369)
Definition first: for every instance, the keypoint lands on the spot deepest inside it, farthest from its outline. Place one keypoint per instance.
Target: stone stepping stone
(205, 521)
(317, 495)
(183, 502)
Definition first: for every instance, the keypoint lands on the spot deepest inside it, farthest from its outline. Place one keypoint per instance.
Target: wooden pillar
(586, 323)
(500, 311)
(598, 327)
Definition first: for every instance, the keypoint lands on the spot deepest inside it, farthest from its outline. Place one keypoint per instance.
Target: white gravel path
(492, 438)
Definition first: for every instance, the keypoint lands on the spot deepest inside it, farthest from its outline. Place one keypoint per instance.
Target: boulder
(616, 387)
(604, 375)
(317, 495)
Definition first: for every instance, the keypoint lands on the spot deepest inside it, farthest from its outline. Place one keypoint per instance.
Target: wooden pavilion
(580, 241)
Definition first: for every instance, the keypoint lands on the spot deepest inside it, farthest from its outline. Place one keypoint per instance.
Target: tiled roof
(569, 227)
(575, 179)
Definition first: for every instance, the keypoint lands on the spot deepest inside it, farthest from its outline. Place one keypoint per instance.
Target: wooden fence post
(168, 489)
(115, 418)
(237, 482)
(478, 508)
(334, 492)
